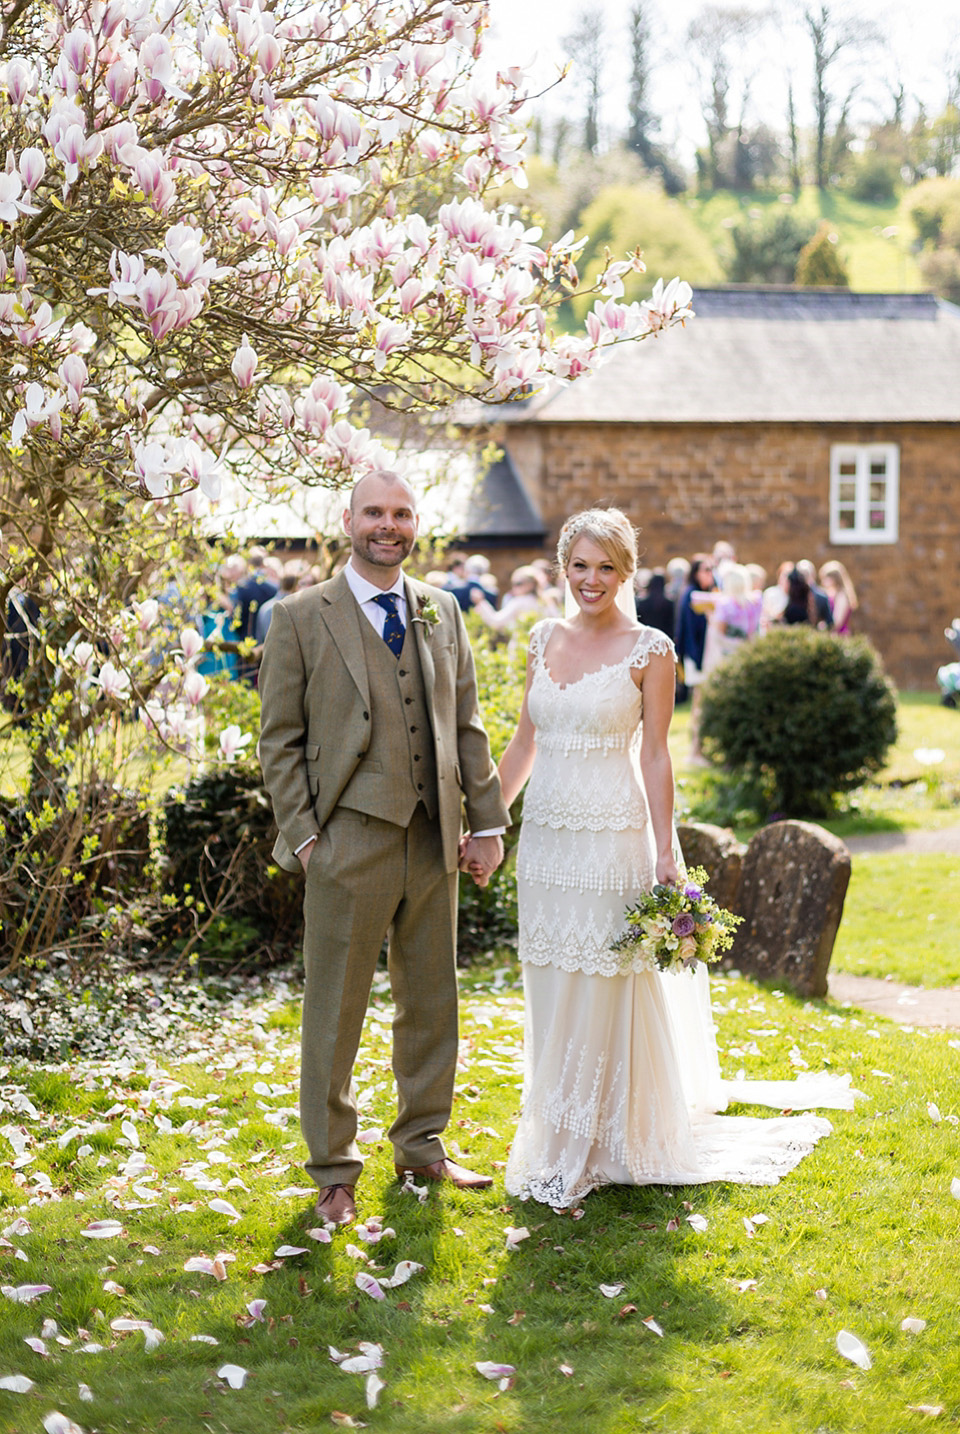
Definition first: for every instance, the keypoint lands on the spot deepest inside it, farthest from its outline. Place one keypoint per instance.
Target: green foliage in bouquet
(802, 716)
(676, 925)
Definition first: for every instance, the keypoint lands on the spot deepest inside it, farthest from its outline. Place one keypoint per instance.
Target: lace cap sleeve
(651, 642)
(539, 637)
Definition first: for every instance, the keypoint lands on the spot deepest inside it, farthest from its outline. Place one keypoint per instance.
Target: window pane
(847, 518)
(847, 493)
(848, 468)
(878, 492)
(878, 465)
(878, 518)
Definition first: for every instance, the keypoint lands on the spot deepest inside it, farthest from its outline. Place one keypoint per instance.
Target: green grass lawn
(901, 918)
(855, 1239)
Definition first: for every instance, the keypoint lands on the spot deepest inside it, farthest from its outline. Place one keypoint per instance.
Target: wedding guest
(821, 602)
(775, 598)
(521, 599)
(678, 575)
(841, 595)
(655, 608)
(735, 618)
(691, 638)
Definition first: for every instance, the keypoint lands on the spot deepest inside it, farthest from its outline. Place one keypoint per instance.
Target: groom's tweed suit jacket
(318, 712)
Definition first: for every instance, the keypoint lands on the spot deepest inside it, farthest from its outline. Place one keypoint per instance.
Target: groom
(370, 739)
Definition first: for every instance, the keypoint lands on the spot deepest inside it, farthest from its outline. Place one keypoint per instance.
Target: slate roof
(499, 509)
(768, 354)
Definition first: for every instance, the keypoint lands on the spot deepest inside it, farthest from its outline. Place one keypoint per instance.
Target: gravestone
(792, 888)
(717, 850)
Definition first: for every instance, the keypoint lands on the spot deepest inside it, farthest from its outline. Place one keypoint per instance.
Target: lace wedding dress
(622, 1081)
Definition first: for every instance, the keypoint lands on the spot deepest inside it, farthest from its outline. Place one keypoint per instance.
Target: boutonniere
(427, 612)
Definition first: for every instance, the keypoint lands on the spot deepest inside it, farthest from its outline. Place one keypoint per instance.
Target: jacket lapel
(421, 632)
(342, 615)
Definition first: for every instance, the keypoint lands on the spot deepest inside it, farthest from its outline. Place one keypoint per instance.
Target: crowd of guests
(712, 604)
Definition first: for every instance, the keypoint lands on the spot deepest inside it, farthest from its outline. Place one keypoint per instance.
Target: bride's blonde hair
(610, 529)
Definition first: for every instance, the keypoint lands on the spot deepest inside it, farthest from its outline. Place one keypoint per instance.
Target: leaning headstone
(792, 888)
(717, 850)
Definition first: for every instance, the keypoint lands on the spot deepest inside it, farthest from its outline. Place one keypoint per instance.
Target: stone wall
(766, 489)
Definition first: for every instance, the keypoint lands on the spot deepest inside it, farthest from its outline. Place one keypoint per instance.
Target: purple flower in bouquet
(684, 924)
(693, 893)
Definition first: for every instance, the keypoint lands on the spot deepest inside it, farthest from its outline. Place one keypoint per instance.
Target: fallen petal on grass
(234, 1374)
(405, 1270)
(285, 1251)
(223, 1207)
(368, 1285)
(103, 1230)
(85, 1393)
(372, 1389)
(16, 1383)
(698, 1223)
(25, 1294)
(323, 1237)
(932, 1411)
(611, 1291)
(912, 1325)
(57, 1423)
(652, 1325)
(853, 1349)
(514, 1236)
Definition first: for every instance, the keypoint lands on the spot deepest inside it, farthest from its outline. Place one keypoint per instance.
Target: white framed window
(864, 493)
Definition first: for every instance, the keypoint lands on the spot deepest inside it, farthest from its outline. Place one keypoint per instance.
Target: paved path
(946, 839)
(910, 1005)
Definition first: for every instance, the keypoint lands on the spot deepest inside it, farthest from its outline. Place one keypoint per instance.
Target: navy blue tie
(393, 628)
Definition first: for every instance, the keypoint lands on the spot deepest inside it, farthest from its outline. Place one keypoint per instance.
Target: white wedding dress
(622, 1080)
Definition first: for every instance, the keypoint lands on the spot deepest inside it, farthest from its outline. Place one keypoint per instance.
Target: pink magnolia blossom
(113, 682)
(146, 613)
(195, 687)
(32, 166)
(73, 374)
(232, 742)
(20, 81)
(244, 364)
(190, 643)
(121, 78)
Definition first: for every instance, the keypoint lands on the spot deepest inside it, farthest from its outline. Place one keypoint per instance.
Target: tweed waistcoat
(399, 768)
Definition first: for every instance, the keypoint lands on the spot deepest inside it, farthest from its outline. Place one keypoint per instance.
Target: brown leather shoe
(446, 1170)
(336, 1205)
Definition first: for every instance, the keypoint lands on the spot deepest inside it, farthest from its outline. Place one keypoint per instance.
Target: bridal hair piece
(610, 529)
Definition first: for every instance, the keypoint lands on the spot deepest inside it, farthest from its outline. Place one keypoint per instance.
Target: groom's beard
(365, 549)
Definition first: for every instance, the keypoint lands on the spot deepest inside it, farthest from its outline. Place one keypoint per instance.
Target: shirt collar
(365, 591)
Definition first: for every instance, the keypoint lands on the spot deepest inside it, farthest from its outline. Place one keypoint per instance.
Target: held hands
(480, 856)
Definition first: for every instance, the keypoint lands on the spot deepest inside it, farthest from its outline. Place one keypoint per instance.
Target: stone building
(794, 423)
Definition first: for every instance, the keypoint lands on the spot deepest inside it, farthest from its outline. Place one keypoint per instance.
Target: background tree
(642, 136)
(765, 249)
(833, 39)
(718, 41)
(586, 44)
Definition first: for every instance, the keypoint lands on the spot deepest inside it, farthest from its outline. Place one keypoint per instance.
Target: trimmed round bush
(802, 715)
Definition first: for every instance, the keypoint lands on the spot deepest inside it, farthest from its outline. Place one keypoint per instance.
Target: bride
(622, 1082)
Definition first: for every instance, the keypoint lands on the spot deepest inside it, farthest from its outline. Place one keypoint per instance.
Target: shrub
(876, 178)
(224, 895)
(819, 263)
(802, 715)
(765, 249)
(73, 872)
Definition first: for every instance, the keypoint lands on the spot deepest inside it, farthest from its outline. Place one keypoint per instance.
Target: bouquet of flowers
(673, 927)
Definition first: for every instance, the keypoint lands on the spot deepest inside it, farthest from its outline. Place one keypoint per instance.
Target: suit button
(416, 756)
(403, 672)
(419, 786)
(413, 729)
(366, 716)
(408, 700)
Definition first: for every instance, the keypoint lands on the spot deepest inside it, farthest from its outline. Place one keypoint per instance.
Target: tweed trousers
(368, 879)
